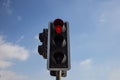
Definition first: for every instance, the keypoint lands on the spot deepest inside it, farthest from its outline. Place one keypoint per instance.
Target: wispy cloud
(6, 7)
(10, 75)
(19, 18)
(86, 62)
(21, 38)
(10, 51)
(5, 64)
(115, 75)
(37, 37)
(104, 39)
(102, 45)
(94, 71)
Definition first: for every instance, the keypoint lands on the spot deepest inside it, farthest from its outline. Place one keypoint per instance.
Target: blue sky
(94, 38)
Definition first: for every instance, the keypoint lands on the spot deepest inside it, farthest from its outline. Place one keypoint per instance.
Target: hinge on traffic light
(63, 73)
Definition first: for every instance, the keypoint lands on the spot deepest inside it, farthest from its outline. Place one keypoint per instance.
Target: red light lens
(58, 29)
(58, 23)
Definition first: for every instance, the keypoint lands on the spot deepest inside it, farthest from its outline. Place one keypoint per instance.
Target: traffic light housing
(58, 46)
(42, 49)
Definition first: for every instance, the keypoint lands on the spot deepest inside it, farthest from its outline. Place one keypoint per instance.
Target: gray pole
(58, 75)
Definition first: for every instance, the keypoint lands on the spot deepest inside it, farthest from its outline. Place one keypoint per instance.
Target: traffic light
(42, 49)
(58, 46)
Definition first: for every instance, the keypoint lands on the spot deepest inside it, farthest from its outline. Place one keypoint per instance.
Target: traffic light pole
(58, 75)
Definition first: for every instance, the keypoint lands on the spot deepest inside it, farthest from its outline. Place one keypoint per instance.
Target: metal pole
(58, 75)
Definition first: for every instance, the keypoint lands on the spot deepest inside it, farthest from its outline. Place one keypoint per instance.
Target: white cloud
(5, 64)
(115, 75)
(9, 51)
(86, 62)
(10, 75)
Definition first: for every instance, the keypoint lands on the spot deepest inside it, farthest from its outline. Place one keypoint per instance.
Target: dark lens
(58, 39)
(58, 56)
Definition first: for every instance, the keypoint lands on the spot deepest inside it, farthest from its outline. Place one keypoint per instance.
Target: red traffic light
(58, 29)
(58, 23)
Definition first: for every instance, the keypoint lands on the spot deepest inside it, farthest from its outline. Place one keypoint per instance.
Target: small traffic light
(58, 46)
(43, 37)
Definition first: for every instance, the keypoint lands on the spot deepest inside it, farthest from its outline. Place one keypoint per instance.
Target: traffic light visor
(58, 22)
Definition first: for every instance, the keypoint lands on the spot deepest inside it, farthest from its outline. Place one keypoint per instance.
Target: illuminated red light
(58, 29)
(58, 24)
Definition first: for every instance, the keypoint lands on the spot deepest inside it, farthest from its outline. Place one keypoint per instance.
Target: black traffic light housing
(42, 49)
(58, 46)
